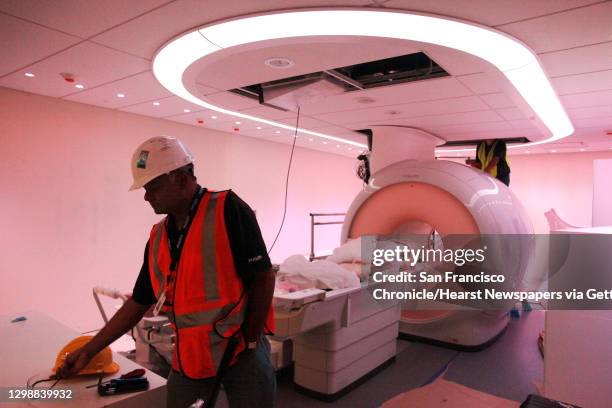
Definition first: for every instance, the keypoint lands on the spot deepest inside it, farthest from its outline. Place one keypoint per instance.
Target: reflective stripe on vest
(207, 288)
(207, 316)
(485, 158)
(209, 250)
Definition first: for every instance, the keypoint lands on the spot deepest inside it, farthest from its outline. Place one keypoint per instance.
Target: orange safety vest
(204, 288)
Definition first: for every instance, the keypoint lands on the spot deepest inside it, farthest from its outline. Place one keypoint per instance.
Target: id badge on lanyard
(178, 249)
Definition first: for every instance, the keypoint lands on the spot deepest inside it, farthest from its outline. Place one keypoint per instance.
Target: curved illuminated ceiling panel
(518, 63)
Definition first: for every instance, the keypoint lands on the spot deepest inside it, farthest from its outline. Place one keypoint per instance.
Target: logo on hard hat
(142, 160)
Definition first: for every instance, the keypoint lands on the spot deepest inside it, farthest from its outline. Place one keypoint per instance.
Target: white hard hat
(158, 155)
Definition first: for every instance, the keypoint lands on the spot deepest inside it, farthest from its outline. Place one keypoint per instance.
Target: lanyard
(175, 250)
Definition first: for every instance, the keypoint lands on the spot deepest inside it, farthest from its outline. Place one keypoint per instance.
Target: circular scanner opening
(425, 210)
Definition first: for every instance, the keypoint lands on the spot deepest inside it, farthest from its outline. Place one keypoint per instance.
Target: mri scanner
(342, 336)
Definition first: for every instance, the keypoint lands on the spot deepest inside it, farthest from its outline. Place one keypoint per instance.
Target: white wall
(560, 181)
(68, 222)
(563, 181)
(602, 192)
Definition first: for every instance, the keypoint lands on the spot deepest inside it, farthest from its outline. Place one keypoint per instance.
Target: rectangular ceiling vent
(287, 93)
(389, 71)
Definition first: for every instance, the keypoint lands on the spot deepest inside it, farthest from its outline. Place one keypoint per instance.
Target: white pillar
(391, 144)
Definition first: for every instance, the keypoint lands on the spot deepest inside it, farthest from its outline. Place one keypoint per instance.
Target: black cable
(297, 122)
(216, 322)
(45, 380)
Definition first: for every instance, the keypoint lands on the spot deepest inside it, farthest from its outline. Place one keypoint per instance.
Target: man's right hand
(125, 318)
(75, 362)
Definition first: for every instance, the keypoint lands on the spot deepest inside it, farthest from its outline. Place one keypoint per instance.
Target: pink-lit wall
(602, 192)
(68, 222)
(563, 181)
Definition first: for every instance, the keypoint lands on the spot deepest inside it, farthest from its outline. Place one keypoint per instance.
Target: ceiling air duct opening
(287, 93)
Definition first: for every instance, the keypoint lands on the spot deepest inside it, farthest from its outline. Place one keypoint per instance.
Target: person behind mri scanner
(491, 158)
(207, 268)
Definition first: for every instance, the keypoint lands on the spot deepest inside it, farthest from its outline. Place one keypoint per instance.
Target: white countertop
(28, 349)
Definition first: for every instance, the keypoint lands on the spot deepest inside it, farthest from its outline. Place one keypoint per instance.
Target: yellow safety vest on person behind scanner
(485, 158)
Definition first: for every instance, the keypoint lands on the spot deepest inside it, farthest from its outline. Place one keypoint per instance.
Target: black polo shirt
(247, 245)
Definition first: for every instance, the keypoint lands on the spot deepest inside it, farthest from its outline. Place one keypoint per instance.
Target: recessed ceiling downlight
(279, 63)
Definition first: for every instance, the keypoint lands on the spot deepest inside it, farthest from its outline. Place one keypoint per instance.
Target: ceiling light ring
(476, 32)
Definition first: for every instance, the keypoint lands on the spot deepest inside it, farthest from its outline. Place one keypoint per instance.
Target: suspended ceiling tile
(268, 113)
(353, 136)
(137, 89)
(332, 129)
(605, 122)
(397, 112)
(481, 10)
(498, 134)
(242, 124)
(318, 145)
(569, 29)
(144, 35)
(23, 43)
(78, 17)
(592, 136)
(194, 118)
(497, 100)
(231, 101)
(364, 116)
(481, 83)
(522, 124)
(581, 100)
(578, 60)
(455, 62)
(274, 132)
(168, 107)
(91, 64)
(432, 89)
(482, 116)
(591, 112)
(166, 22)
(511, 113)
(472, 127)
(206, 90)
(212, 115)
(304, 122)
(564, 145)
(210, 124)
(45, 83)
(335, 131)
(264, 132)
(449, 119)
(593, 81)
(257, 135)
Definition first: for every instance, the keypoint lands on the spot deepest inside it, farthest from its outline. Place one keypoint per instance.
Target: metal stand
(313, 223)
